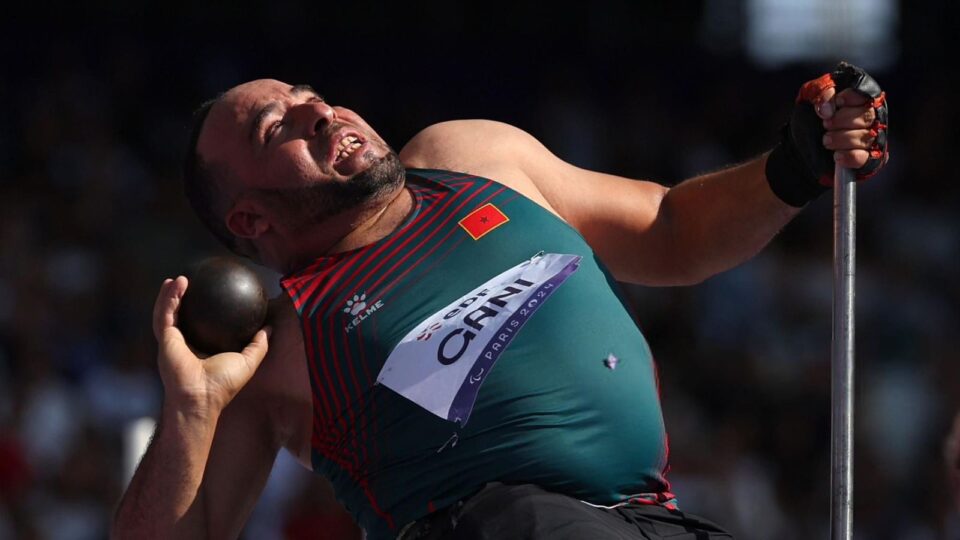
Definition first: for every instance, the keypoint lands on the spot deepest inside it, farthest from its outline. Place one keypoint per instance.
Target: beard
(316, 203)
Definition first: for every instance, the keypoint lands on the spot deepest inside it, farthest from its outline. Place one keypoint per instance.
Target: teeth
(347, 145)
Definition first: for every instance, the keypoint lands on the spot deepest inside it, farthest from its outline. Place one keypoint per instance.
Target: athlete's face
(286, 147)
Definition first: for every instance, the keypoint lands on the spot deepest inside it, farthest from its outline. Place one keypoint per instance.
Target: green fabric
(554, 411)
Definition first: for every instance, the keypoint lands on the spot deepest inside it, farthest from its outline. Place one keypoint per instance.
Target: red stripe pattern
(338, 298)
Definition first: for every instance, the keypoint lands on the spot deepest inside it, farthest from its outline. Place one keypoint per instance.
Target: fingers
(165, 308)
(824, 104)
(852, 109)
(850, 133)
(229, 372)
(819, 92)
(851, 147)
(852, 139)
(851, 98)
(851, 159)
(160, 308)
(851, 118)
(256, 350)
(830, 104)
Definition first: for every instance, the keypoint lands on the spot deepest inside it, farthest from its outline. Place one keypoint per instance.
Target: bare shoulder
(457, 142)
(603, 207)
(486, 148)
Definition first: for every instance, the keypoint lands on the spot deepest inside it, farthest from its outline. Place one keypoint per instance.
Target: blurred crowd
(92, 218)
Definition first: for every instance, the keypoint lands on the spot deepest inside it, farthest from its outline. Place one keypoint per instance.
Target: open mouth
(347, 152)
(346, 147)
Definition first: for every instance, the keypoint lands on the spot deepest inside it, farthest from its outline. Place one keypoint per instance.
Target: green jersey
(481, 341)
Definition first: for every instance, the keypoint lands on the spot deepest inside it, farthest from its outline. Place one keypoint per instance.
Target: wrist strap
(789, 177)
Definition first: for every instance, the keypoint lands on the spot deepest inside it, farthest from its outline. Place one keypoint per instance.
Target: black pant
(527, 512)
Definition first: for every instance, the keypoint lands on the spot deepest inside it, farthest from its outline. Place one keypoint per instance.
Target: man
(451, 353)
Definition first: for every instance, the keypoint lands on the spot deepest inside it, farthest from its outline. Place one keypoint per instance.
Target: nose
(313, 117)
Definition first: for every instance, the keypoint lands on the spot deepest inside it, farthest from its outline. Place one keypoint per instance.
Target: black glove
(799, 168)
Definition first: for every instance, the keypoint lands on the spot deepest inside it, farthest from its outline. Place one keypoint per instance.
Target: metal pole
(841, 457)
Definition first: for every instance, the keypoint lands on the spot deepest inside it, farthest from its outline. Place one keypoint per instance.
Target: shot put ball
(223, 307)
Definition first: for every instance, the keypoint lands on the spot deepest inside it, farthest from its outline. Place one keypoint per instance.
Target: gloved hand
(839, 119)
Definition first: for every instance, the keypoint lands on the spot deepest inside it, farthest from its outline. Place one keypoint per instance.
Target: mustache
(331, 128)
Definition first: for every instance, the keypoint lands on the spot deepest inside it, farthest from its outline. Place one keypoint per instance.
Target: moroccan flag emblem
(483, 220)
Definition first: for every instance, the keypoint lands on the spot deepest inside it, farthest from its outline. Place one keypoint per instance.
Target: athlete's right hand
(200, 386)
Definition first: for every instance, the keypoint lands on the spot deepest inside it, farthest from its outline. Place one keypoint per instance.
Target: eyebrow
(271, 107)
(303, 89)
(257, 124)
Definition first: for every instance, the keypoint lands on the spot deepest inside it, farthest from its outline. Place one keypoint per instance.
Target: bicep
(621, 218)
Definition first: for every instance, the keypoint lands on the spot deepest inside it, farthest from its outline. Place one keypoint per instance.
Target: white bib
(441, 363)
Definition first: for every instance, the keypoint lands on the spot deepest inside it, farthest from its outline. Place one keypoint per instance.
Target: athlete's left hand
(853, 110)
(838, 118)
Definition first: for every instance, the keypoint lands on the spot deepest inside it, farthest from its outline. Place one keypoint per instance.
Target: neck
(377, 222)
(362, 228)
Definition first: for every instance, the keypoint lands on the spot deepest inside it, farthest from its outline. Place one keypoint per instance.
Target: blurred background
(96, 105)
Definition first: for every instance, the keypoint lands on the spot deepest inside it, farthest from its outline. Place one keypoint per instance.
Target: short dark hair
(201, 186)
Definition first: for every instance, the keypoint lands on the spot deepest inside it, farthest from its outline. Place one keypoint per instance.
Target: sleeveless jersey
(480, 341)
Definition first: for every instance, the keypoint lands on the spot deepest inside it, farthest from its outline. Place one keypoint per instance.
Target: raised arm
(207, 462)
(679, 236)
(645, 232)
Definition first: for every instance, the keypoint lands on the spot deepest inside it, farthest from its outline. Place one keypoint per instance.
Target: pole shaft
(841, 458)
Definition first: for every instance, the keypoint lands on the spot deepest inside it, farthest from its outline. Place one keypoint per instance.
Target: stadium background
(96, 101)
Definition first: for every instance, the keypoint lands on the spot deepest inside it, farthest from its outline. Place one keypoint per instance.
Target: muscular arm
(703, 226)
(200, 477)
(207, 464)
(645, 232)
(162, 499)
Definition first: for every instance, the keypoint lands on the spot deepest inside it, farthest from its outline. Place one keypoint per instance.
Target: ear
(246, 219)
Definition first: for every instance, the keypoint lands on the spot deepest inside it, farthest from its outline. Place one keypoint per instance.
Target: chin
(385, 174)
(322, 200)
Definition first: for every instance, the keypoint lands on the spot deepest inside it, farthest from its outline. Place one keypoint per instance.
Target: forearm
(719, 220)
(163, 499)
